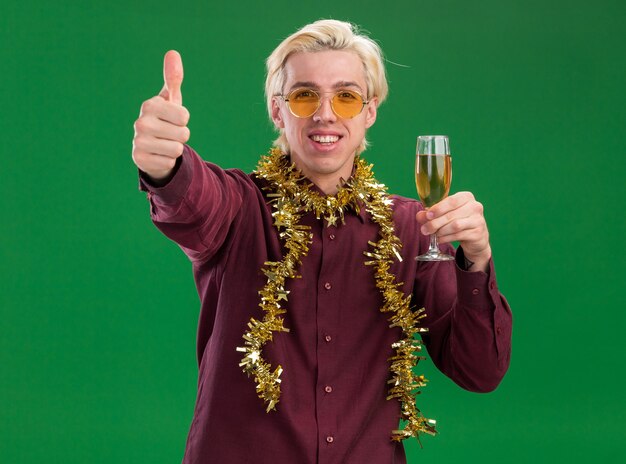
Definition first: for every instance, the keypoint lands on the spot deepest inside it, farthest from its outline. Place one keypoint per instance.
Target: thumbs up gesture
(161, 129)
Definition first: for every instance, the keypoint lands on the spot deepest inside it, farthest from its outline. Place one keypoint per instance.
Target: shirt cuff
(475, 288)
(175, 189)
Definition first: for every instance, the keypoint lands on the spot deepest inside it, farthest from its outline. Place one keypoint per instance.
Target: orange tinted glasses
(303, 103)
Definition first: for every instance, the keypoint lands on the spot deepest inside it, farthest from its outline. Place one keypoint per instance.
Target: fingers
(153, 155)
(160, 129)
(160, 132)
(155, 146)
(449, 212)
(471, 229)
(156, 157)
(451, 203)
(156, 166)
(166, 111)
(173, 76)
(422, 217)
(154, 127)
(457, 218)
(445, 206)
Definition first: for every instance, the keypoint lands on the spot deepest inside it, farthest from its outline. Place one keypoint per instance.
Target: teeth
(325, 138)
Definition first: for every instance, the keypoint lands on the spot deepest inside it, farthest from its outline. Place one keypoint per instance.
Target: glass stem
(433, 249)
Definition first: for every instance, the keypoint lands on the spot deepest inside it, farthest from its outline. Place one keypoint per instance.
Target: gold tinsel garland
(291, 198)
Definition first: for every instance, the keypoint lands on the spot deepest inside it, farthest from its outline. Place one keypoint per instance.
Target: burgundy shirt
(333, 406)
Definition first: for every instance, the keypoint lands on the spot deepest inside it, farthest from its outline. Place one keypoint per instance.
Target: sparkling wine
(433, 174)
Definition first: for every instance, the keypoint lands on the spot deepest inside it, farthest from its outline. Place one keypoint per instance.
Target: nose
(325, 112)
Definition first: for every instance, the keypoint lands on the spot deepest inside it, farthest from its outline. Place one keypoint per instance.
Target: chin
(328, 166)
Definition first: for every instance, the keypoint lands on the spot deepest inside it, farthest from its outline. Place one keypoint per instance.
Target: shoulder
(404, 212)
(405, 206)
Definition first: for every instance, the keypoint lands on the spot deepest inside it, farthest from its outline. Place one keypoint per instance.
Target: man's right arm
(192, 202)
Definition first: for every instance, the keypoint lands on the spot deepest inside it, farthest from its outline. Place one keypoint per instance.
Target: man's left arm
(470, 340)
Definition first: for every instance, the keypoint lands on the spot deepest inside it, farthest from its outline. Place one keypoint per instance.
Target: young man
(306, 270)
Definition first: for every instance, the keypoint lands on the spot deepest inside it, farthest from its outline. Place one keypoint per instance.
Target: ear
(277, 117)
(370, 115)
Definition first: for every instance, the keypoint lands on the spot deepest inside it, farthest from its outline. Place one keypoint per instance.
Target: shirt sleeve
(469, 323)
(196, 208)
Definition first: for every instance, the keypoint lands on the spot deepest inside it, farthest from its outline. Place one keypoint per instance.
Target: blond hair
(326, 34)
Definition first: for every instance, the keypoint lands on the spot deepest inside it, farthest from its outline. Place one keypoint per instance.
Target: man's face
(323, 145)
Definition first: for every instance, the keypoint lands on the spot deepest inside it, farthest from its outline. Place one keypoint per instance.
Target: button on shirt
(333, 406)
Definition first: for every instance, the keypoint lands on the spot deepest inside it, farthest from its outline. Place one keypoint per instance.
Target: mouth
(325, 140)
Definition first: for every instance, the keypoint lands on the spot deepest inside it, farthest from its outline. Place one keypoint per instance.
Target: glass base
(436, 256)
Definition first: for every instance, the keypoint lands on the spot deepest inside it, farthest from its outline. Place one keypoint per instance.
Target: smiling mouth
(325, 139)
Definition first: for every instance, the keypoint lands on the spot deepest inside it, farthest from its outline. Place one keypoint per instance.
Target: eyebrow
(337, 85)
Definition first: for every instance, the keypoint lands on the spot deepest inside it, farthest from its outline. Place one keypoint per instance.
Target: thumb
(422, 217)
(173, 77)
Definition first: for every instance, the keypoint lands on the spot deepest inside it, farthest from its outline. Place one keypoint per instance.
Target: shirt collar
(361, 214)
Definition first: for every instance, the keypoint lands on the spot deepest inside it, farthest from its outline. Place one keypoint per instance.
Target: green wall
(98, 310)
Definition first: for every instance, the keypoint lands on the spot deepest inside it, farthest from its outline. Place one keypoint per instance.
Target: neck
(327, 182)
(328, 185)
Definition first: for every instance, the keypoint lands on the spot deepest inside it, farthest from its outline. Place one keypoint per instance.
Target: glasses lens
(303, 102)
(347, 104)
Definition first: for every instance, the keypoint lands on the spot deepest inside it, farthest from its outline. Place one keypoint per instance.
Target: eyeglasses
(303, 103)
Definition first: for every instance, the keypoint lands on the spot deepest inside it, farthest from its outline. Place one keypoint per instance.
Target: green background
(98, 310)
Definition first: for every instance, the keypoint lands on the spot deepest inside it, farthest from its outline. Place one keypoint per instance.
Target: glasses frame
(319, 101)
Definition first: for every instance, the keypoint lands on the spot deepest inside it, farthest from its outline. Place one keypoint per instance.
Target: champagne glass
(433, 174)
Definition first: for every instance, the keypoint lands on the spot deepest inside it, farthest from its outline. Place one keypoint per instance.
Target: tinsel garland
(291, 198)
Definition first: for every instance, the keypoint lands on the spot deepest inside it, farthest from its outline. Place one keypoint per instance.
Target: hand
(459, 217)
(161, 129)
